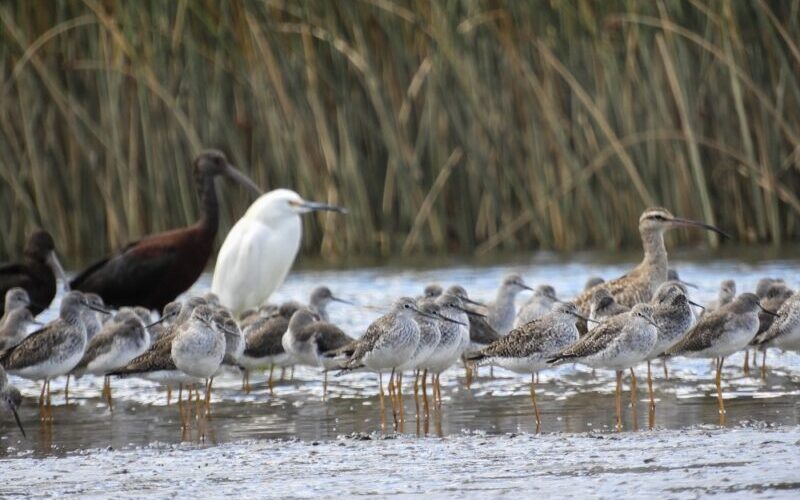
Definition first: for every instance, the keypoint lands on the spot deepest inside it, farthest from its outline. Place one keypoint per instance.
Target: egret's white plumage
(260, 249)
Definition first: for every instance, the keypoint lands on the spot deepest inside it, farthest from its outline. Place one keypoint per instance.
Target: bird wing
(509, 346)
(329, 337)
(133, 272)
(264, 338)
(702, 335)
(481, 331)
(368, 341)
(34, 349)
(252, 262)
(99, 344)
(157, 357)
(593, 342)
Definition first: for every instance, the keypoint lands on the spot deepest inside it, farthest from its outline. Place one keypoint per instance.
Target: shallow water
(573, 399)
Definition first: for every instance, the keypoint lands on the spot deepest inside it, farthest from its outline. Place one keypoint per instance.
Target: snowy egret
(260, 248)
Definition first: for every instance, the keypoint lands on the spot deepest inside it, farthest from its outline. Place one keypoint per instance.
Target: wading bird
(153, 271)
(260, 249)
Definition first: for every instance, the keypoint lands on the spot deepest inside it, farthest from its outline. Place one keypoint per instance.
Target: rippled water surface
(573, 399)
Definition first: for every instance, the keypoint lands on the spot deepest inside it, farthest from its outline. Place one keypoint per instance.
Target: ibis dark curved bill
(693, 223)
(235, 175)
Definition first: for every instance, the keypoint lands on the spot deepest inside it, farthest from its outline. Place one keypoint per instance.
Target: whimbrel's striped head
(660, 219)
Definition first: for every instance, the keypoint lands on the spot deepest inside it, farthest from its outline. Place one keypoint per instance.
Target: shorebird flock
(622, 325)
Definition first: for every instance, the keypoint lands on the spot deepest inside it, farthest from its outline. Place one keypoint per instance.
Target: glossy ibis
(36, 273)
(156, 269)
(260, 248)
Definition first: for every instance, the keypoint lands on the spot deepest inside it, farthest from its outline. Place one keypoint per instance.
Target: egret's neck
(209, 205)
(655, 253)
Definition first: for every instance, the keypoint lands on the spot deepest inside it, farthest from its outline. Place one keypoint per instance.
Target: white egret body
(260, 249)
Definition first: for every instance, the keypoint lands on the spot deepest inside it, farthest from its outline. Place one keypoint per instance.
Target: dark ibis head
(41, 248)
(213, 163)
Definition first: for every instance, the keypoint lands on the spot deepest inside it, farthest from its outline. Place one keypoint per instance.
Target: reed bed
(460, 126)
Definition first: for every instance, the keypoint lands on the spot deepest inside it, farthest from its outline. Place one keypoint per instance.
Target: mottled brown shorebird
(641, 282)
(721, 333)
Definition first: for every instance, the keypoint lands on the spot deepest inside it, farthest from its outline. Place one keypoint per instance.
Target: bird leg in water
(66, 391)
(392, 398)
(468, 369)
(425, 406)
(41, 400)
(719, 392)
(763, 364)
(416, 395)
(208, 395)
(283, 373)
(633, 399)
(324, 384)
(246, 382)
(380, 398)
(108, 394)
(746, 367)
(269, 381)
(169, 394)
(535, 406)
(651, 414)
(619, 400)
(666, 372)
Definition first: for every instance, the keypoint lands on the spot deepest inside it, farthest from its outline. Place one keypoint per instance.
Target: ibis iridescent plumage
(156, 269)
(36, 273)
(260, 249)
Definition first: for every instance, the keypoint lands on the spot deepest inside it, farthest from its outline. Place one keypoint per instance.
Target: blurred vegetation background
(454, 126)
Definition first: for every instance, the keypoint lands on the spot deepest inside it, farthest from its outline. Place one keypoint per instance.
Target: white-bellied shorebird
(527, 348)
(199, 347)
(725, 295)
(311, 341)
(14, 327)
(119, 342)
(540, 303)
(263, 344)
(641, 282)
(721, 333)
(321, 297)
(604, 306)
(785, 330)
(673, 316)
(502, 310)
(15, 298)
(388, 342)
(10, 398)
(619, 343)
(54, 350)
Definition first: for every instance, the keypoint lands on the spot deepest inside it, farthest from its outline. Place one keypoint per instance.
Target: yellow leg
(763, 364)
(169, 394)
(619, 400)
(535, 406)
(425, 405)
(652, 410)
(66, 391)
(108, 394)
(269, 381)
(392, 398)
(746, 366)
(634, 391)
(416, 392)
(719, 393)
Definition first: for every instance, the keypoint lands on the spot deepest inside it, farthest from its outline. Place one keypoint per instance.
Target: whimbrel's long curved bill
(693, 223)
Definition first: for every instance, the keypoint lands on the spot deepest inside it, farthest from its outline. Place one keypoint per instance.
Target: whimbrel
(527, 348)
(641, 282)
(620, 343)
(721, 333)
